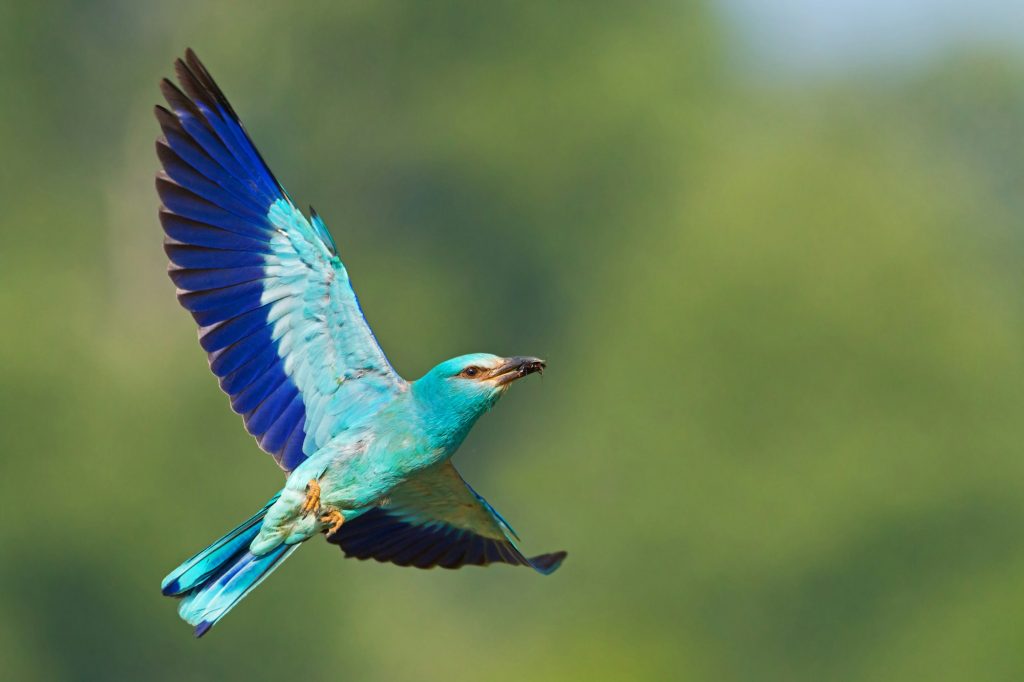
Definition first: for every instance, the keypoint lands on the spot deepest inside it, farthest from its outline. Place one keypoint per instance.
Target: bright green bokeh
(781, 433)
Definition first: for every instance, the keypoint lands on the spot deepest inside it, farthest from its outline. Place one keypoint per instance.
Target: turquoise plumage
(366, 453)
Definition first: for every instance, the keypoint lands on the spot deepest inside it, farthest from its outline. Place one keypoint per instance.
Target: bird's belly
(351, 479)
(351, 483)
(361, 484)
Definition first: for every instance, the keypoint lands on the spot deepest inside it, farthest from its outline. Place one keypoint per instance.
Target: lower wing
(437, 519)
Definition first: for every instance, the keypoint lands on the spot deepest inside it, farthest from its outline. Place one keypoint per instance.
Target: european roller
(367, 454)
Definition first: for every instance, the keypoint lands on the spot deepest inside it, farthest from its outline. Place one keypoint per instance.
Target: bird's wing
(276, 312)
(436, 519)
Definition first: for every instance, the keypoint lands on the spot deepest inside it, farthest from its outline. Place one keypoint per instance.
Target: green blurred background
(771, 251)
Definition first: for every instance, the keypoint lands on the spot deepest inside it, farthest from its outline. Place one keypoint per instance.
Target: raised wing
(436, 519)
(276, 312)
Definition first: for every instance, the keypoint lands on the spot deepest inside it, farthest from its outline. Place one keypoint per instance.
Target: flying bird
(366, 453)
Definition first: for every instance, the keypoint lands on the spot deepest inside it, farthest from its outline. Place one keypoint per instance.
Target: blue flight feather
(185, 231)
(227, 360)
(188, 280)
(254, 366)
(246, 294)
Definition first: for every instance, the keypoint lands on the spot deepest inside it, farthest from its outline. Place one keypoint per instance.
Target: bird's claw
(330, 516)
(312, 502)
(334, 519)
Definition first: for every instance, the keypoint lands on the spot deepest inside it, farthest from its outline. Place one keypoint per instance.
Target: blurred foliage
(781, 431)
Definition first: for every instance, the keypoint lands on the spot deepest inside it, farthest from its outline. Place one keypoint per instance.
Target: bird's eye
(471, 372)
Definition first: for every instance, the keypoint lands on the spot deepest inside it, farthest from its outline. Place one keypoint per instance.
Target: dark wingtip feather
(177, 99)
(166, 119)
(203, 628)
(195, 77)
(171, 589)
(201, 74)
(546, 564)
(190, 83)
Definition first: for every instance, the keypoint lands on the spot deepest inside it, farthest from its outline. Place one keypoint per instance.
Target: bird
(366, 454)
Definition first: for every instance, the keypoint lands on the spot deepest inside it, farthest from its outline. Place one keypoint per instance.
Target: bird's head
(463, 388)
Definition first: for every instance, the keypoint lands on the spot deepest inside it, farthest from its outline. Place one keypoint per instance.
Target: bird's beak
(515, 368)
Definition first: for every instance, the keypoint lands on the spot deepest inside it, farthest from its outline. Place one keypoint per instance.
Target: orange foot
(333, 517)
(312, 502)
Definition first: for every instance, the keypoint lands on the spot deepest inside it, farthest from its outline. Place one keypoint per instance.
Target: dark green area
(781, 433)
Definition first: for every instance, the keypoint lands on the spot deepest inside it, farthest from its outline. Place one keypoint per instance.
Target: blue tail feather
(214, 580)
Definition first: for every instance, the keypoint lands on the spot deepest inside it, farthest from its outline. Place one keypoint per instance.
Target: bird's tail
(214, 580)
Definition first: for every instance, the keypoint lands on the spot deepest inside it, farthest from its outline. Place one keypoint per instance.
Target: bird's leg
(333, 517)
(312, 502)
(330, 516)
